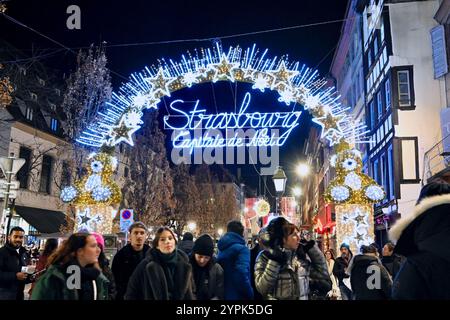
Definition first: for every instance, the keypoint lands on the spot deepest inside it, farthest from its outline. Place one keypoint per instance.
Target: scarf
(169, 263)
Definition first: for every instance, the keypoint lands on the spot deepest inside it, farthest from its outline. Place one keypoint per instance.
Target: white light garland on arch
(294, 83)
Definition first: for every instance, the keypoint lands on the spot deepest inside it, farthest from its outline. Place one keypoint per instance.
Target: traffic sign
(12, 194)
(126, 219)
(14, 184)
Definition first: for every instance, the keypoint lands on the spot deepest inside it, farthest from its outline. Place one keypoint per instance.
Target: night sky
(131, 22)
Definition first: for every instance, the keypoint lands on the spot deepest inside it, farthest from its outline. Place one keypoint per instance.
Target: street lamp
(302, 170)
(220, 232)
(279, 179)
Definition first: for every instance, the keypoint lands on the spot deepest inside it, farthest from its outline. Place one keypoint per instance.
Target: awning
(44, 221)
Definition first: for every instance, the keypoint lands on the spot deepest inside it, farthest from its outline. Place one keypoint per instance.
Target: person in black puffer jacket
(207, 273)
(369, 279)
(423, 237)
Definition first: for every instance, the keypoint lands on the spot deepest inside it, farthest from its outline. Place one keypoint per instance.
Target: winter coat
(40, 268)
(392, 264)
(149, 282)
(254, 252)
(363, 272)
(186, 246)
(124, 263)
(234, 257)
(297, 279)
(213, 281)
(107, 272)
(334, 280)
(52, 285)
(340, 266)
(423, 237)
(11, 263)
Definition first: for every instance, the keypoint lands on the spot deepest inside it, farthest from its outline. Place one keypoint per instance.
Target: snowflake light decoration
(340, 193)
(68, 194)
(100, 193)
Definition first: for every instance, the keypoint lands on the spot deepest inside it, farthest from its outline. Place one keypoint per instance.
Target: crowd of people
(282, 265)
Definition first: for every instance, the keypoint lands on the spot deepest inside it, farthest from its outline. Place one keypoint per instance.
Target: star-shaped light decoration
(160, 83)
(282, 75)
(334, 137)
(224, 69)
(361, 220)
(122, 132)
(83, 219)
(345, 218)
(261, 82)
(359, 237)
(328, 123)
(250, 74)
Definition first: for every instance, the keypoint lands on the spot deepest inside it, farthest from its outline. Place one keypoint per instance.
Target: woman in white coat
(334, 294)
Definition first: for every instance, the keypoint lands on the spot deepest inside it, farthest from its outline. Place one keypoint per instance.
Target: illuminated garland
(294, 84)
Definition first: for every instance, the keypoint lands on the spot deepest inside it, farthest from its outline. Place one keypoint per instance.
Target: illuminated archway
(352, 191)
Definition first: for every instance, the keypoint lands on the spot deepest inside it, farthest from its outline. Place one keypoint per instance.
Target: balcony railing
(436, 160)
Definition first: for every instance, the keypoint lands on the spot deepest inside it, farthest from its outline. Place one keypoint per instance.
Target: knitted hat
(99, 239)
(275, 230)
(204, 246)
(344, 245)
(188, 236)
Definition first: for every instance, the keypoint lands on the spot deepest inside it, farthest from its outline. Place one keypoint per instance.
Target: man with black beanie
(208, 274)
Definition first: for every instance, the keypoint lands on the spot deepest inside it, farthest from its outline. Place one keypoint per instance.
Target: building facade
(402, 100)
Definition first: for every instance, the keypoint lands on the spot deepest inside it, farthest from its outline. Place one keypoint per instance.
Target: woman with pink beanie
(104, 265)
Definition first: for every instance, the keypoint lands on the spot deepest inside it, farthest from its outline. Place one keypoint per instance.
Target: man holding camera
(13, 266)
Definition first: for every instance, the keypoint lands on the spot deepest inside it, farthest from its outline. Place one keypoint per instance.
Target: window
(379, 105)
(409, 151)
(41, 81)
(33, 96)
(29, 113)
(404, 93)
(46, 174)
(372, 115)
(125, 172)
(375, 45)
(375, 171)
(54, 124)
(369, 58)
(24, 173)
(52, 106)
(391, 193)
(387, 93)
(58, 92)
(23, 71)
(66, 176)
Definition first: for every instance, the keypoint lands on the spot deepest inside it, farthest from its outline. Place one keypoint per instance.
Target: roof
(44, 221)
